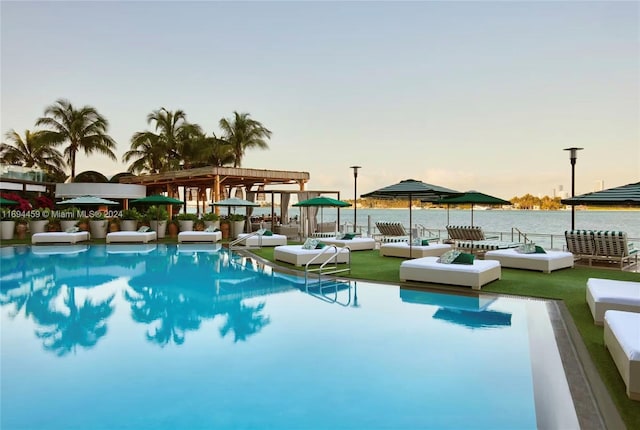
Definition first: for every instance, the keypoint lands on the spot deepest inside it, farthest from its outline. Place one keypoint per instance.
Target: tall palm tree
(31, 151)
(148, 153)
(244, 133)
(83, 129)
(170, 146)
(213, 151)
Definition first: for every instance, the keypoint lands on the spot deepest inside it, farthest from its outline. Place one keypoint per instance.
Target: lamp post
(573, 155)
(355, 195)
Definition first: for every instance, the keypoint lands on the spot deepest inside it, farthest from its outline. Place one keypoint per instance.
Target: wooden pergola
(216, 179)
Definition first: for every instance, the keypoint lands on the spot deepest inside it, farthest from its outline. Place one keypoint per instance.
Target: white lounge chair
(59, 237)
(547, 262)
(622, 339)
(427, 269)
(257, 239)
(401, 249)
(355, 244)
(131, 236)
(609, 294)
(296, 255)
(199, 236)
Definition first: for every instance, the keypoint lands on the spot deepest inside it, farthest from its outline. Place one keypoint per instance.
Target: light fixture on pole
(573, 155)
(355, 195)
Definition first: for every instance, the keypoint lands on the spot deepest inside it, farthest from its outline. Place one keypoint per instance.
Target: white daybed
(355, 244)
(548, 262)
(131, 236)
(606, 294)
(256, 239)
(59, 237)
(427, 269)
(199, 236)
(401, 249)
(622, 339)
(294, 254)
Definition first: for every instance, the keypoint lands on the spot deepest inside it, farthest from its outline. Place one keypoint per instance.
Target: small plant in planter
(185, 217)
(98, 216)
(54, 224)
(129, 219)
(211, 216)
(157, 213)
(83, 224)
(114, 224)
(198, 225)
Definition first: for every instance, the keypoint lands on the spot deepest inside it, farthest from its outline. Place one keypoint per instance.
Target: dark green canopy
(158, 199)
(323, 202)
(7, 202)
(625, 195)
(410, 189)
(474, 197)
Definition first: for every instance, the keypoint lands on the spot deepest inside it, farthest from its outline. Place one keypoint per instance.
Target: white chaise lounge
(131, 236)
(401, 249)
(59, 237)
(355, 244)
(257, 239)
(427, 269)
(295, 254)
(609, 294)
(199, 236)
(548, 262)
(622, 339)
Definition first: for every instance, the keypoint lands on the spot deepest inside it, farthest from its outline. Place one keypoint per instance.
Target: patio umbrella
(157, 199)
(410, 189)
(87, 200)
(473, 197)
(7, 202)
(233, 202)
(625, 195)
(322, 202)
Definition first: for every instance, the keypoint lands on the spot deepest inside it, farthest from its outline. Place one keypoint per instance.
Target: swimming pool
(190, 336)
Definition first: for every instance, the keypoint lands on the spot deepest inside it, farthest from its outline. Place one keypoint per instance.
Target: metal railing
(235, 244)
(330, 259)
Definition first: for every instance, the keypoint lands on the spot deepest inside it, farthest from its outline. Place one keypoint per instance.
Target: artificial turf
(568, 285)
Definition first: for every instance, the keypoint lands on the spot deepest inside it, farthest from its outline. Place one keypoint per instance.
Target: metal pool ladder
(235, 244)
(332, 261)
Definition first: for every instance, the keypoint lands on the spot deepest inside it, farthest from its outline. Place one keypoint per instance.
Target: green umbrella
(158, 199)
(473, 197)
(625, 195)
(409, 189)
(7, 202)
(322, 202)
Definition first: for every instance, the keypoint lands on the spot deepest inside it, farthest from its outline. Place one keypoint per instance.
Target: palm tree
(83, 129)
(31, 151)
(170, 146)
(213, 151)
(243, 133)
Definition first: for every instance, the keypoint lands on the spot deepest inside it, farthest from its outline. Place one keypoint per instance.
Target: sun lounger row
(610, 246)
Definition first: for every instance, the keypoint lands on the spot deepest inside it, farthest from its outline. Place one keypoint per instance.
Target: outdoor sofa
(609, 294)
(60, 237)
(622, 339)
(544, 262)
(428, 269)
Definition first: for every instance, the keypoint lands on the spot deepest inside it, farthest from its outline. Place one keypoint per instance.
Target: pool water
(193, 337)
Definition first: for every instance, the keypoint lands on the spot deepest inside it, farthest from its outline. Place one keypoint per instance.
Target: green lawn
(568, 285)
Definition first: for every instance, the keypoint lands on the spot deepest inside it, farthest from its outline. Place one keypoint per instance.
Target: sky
(466, 95)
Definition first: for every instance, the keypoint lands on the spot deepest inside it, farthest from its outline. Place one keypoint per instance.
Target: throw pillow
(526, 248)
(310, 243)
(210, 229)
(320, 245)
(267, 233)
(448, 257)
(261, 231)
(144, 229)
(540, 250)
(424, 242)
(348, 236)
(72, 230)
(464, 258)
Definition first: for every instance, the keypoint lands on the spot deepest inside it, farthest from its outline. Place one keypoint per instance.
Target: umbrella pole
(410, 230)
(471, 214)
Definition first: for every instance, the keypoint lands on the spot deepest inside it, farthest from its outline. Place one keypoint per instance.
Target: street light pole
(355, 195)
(573, 155)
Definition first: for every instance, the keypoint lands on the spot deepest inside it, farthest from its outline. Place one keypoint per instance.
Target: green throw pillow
(540, 250)
(320, 245)
(424, 242)
(464, 258)
(268, 233)
(348, 236)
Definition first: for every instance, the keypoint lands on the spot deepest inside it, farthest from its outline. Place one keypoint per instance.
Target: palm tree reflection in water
(177, 295)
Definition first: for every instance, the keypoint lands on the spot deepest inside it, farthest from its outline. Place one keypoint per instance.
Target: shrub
(131, 214)
(211, 216)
